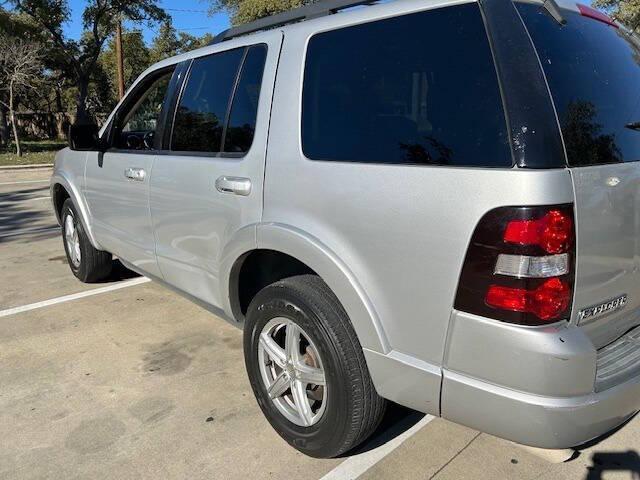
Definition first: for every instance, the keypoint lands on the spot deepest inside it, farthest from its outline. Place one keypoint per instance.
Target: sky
(189, 16)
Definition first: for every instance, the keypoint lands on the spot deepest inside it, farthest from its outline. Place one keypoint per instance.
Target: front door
(117, 182)
(209, 186)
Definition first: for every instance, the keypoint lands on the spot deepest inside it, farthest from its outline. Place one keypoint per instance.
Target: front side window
(138, 124)
(416, 89)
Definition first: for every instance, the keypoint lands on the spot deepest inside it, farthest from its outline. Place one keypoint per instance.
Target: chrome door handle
(235, 185)
(137, 174)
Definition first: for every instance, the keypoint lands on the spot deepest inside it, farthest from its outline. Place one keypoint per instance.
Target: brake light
(519, 266)
(547, 301)
(553, 232)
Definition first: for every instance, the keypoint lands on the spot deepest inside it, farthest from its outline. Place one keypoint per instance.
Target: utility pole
(119, 59)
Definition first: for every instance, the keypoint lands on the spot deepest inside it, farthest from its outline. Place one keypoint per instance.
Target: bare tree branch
(20, 69)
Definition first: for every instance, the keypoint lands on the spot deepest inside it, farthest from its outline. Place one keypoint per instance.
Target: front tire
(87, 263)
(307, 368)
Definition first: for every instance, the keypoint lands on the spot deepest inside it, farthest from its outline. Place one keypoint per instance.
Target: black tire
(94, 265)
(354, 408)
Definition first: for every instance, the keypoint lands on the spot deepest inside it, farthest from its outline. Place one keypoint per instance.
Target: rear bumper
(534, 386)
(544, 422)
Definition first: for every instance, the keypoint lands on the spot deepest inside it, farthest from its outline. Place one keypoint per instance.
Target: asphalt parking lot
(128, 380)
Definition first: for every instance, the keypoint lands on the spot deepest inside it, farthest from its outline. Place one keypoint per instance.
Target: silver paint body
(389, 240)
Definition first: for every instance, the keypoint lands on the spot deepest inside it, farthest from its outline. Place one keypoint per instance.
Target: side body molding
(335, 273)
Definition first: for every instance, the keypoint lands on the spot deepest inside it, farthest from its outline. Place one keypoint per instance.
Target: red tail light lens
(512, 269)
(553, 232)
(548, 301)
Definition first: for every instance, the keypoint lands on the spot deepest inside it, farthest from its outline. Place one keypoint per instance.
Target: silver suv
(432, 202)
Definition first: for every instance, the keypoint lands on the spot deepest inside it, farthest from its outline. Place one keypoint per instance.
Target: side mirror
(84, 137)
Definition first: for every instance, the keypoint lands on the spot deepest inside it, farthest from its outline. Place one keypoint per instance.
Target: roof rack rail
(313, 10)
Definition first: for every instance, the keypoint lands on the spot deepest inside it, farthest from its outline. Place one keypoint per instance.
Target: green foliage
(625, 11)
(165, 43)
(137, 58)
(169, 42)
(35, 152)
(243, 11)
(78, 60)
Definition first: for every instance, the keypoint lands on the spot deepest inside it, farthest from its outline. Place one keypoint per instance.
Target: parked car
(431, 202)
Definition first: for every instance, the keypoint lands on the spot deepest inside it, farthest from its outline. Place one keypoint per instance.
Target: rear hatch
(593, 70)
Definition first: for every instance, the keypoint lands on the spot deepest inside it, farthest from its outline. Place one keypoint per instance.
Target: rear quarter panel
(401, 230)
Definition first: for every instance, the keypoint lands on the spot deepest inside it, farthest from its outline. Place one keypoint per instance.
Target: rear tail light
(553, 232)
(527, 266)
(544, 302)
(519, 266)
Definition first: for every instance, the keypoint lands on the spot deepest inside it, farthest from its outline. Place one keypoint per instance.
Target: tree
(11, 25)
(137, 58)
(169, 42)
(626, 12)
(78, 59)
(243, 11)
(165, 44)
(190, 42)
(20, 67)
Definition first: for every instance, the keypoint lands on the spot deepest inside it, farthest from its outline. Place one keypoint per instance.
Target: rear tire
(87, 263)
(350, 408)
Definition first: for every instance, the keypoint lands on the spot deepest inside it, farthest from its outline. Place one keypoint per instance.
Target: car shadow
(118, 273)
(602, 462)
(396, 421)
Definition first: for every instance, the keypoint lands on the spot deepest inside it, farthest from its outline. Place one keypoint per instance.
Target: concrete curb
(35, 166)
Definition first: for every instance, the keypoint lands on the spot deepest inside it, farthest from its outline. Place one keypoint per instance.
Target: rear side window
(593, 70)
(219, 103)
(199, 119)
(416, 89)
(242, 120)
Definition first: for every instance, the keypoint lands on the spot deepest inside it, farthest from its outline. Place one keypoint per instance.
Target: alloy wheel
(292, 371)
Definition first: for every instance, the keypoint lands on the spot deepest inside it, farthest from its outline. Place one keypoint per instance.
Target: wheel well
(257, 269)
(59, 197)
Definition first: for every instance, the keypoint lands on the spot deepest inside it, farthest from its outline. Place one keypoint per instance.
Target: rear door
(208, 184)
(593, 70)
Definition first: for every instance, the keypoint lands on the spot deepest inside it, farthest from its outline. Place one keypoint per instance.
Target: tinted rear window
(242, 120)
(415, 89)
(593, 70)
(199, 119)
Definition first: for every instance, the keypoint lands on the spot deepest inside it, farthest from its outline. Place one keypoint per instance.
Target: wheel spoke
(292, 343)
(69, 228)
(77, 250)
(273, 350)
(292, 371)
(309, 374)
(279, 386)
(299, 391)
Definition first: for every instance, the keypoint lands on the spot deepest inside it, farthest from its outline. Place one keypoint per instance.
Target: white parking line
(356, 465)
(22, 182)
(74, 296)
